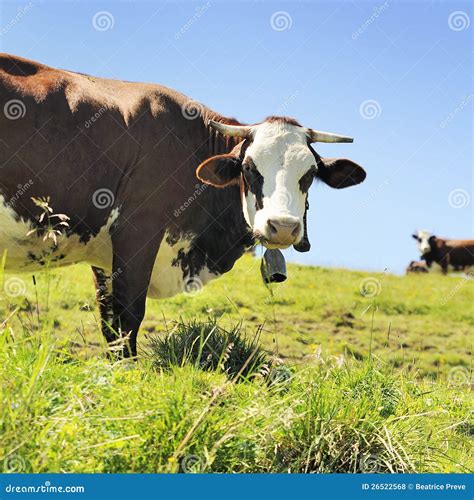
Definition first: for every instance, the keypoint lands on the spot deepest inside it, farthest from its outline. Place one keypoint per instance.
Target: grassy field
(377, 378)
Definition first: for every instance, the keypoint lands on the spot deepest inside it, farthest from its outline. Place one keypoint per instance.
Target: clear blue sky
(320, 65)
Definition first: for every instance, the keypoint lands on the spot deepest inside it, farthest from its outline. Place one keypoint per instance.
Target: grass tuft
(208, 346)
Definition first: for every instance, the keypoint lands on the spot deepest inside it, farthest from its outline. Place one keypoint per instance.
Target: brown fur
(456, 253)
(282, 119)
(417, 267)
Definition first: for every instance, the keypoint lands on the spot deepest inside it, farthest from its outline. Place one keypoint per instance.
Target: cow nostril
(283, 230)
(296, 230)
(273, 229)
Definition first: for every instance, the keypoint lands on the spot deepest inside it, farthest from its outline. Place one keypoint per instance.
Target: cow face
(423, 238)
(275, 167)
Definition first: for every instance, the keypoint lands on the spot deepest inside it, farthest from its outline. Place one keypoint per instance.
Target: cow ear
(414, 236)
(220, 171)
(340, 173)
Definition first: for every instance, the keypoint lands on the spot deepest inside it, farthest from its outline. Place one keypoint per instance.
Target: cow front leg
(134, 255)
(103, 292)
(444, 263)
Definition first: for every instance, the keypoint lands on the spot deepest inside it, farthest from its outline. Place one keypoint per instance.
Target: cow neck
(221, 233)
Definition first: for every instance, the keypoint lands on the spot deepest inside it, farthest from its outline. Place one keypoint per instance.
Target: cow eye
(248, 165)
(306, 181)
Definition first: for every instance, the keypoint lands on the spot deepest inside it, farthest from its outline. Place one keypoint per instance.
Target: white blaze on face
(281, 154)
(423, 243)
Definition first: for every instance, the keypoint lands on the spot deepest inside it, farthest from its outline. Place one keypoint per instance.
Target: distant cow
(163, 193)
(417, 267)
(456, 253)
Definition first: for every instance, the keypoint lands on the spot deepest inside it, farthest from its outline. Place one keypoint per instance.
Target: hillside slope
(334, 407)
(420, 322)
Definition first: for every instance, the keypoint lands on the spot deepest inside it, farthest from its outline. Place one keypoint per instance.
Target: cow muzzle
(281, 232)
(424, 249)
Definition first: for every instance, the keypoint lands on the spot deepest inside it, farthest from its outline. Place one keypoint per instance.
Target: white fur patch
(21, 246)
(167, 279)
(423, 243)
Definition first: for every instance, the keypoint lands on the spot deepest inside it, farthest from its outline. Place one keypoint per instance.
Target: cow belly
(30, 252)
(168, 278)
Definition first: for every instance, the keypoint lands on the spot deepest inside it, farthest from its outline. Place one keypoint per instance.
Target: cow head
(275, 166)
(423, 238)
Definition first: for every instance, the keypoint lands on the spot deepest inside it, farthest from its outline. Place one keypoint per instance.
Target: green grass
(376, 383)
(421, 323)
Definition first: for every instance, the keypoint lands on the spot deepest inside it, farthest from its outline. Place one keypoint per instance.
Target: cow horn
(233, 130)
(318, 136)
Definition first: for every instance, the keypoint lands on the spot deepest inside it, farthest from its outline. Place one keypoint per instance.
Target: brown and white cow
(161, 198)
(456, 253)
(417, 267)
